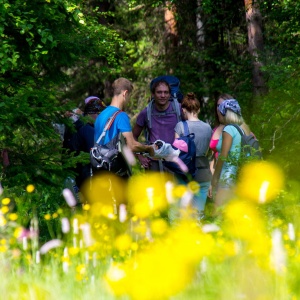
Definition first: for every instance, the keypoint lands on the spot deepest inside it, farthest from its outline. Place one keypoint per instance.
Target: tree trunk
(255, 44)
(200, 27)
(171, 33)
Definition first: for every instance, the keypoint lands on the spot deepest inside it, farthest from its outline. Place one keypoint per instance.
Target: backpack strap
(149, 113)
(239, 129)
(149, 109)
(185, 128)
(107, 126)
(176, 107)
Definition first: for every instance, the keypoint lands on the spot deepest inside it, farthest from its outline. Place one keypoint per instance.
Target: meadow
(142, 240)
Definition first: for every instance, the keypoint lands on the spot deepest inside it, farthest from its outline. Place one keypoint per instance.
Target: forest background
(54, 53)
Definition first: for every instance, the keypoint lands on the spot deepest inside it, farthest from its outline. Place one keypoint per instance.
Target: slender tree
(255, 44)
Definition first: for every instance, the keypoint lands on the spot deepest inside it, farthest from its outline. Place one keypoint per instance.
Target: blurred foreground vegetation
(55, 53)
(154, 247)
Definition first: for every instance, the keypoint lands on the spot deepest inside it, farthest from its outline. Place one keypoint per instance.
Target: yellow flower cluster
(147, 194)
(152, 256)
(165, 268)
(260, 181)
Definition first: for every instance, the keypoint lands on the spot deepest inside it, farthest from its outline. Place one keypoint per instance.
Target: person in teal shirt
(229, 149)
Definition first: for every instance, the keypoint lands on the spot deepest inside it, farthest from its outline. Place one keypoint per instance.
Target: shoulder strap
(149, 112)
(239, 129)
(149, 109)
(185, 128)
(108, 125)
(176, 107)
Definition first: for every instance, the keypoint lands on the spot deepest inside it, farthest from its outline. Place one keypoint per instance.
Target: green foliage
(43, 42)
(56, 50)
(277, 125)
(220, 65)
(276, 116)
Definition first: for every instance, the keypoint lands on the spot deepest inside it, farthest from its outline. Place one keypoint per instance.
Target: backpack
(109, 157)
(189, 157)
(176, 97)
(249, 143)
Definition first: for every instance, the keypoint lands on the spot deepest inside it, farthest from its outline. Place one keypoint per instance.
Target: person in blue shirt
(122, 89)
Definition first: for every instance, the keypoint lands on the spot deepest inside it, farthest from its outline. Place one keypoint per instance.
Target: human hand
(145, 161)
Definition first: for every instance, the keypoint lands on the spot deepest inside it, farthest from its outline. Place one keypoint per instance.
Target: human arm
(226, 145)
(136, 146)
(136, 131)
(212, 163)
(179, 130)
(145, 161)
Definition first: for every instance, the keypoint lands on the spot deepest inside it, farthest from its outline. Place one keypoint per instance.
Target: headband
(230, 104)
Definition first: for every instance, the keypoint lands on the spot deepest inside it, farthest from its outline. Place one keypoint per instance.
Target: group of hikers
(165, 120)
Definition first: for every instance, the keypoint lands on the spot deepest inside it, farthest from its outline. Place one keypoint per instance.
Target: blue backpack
(189, 158)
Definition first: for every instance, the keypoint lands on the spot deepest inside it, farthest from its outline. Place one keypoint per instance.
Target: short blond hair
(121, 84)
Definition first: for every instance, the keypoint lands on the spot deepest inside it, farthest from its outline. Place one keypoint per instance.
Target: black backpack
(189, 158)
(250, 145)
(110, 157)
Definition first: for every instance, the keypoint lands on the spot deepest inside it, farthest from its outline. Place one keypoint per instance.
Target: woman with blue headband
(229, 148)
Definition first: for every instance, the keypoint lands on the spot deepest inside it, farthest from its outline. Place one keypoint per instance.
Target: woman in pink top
(217, 131)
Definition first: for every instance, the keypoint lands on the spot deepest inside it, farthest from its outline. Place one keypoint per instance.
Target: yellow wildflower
(81, 269)
(243, 221)
(260, 181)
(13, 217)
(103, 189)
(5, 201)
(4, 209)
(123, 242)
(147, 193)
(3, 248)
(81, 272)
(86, 207)
(73, 251)
(134, 246)
(159, 226)
(30, 188)
(18, 231)
(164, 268)
(194, 186)
(47, 217)
(179, 191)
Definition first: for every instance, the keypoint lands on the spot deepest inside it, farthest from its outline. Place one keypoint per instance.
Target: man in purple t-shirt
(163, 121)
